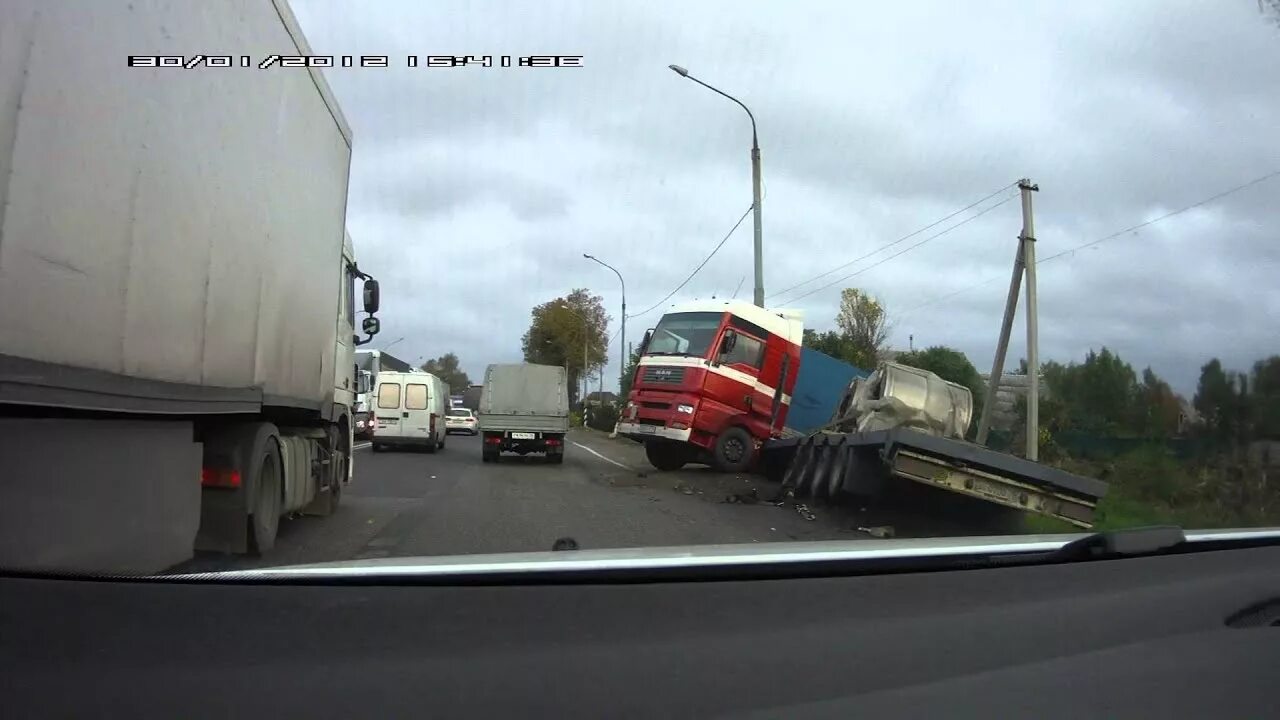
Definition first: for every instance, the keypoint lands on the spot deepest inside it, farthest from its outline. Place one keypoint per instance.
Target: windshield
(913, 270)
(685, 334)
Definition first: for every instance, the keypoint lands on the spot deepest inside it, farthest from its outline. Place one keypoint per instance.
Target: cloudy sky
(475, 191)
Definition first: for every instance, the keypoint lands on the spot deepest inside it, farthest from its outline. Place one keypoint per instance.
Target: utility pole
(1023, 260)
(758, 212)
(1028, 242)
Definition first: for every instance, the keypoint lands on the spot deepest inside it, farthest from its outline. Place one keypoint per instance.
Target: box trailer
(177, 290)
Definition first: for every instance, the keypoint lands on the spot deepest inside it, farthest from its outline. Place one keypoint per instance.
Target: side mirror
(371, 298)
(370, 326)
(728, 342)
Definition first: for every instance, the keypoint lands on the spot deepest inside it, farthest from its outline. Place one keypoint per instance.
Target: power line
(1166, 216)
(1112, 236)
(895, 242)
(908, 249)
(700, 266)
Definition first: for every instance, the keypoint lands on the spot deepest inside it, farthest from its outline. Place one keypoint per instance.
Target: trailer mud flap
(824, 466)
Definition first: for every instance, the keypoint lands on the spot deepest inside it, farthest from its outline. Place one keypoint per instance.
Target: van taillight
(433, 423)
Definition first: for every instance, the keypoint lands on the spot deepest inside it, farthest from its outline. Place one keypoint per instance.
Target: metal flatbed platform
(825, 464)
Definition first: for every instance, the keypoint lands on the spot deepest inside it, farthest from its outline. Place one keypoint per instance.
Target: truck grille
(659, 374)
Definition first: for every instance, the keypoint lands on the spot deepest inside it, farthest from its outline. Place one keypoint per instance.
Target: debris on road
(750, 498)
(804, 512)
(681, 488)
(879, 531)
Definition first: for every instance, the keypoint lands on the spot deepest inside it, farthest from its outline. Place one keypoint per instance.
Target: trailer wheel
(734, 450)
(265, 485)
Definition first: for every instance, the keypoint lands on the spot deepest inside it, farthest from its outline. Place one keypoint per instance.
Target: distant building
(596, 398)
(1004, 413)
(889, 355)
(1188, 417)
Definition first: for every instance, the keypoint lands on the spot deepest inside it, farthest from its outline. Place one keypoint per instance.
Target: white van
(410, 409)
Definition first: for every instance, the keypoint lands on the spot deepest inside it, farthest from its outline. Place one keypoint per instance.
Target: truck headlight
(685, 409)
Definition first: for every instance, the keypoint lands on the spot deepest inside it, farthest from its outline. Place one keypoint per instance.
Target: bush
(1152, 473)
(603, 417)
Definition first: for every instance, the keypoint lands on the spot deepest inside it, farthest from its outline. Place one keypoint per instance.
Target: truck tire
(490, 455)
(665, 456)
(555, 458)
(734, 450)
(264, 485)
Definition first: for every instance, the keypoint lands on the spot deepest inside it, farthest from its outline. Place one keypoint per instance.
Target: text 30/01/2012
(349, 61)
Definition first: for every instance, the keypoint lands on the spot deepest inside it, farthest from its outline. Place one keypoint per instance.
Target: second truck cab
(714, 380)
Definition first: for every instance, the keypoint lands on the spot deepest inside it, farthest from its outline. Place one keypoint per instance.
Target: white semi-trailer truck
(178, 295)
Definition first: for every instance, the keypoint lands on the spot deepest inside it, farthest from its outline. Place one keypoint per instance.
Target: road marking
(361, 446)
(602, 457)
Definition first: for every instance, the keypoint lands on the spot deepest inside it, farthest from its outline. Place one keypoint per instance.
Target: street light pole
(756, 200)
(622, 341)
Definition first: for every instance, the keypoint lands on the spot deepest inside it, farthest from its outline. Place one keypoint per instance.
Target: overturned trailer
(902, 423)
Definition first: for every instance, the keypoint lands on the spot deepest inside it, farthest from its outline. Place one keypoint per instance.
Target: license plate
(995, 490)
(523, 436)
(648, 429)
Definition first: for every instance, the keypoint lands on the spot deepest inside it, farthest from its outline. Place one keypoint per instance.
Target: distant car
(460, 420)
(365, 424)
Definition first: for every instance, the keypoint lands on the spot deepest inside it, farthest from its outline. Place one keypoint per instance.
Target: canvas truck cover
(524, 389)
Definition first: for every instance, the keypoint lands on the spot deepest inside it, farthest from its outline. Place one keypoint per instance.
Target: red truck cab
(714, 381)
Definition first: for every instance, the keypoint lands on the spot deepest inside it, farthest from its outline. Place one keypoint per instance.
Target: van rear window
(415, 397)
(389, 396)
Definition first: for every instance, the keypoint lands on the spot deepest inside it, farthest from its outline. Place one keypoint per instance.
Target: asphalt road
(604, 495)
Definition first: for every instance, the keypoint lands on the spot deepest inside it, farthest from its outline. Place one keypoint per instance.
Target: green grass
(1114, 512)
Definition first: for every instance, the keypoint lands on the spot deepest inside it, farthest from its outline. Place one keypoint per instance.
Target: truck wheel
(556, 458)
(490, 455)
(667, 457)
(264, 483)
(734, 450)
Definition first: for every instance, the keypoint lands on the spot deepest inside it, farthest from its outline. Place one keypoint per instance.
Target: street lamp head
(679, 70)
(589, 257)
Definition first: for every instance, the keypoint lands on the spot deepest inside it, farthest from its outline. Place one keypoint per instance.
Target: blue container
(822, 381)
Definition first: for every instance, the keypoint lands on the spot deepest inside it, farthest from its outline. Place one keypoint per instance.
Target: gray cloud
(475, 191)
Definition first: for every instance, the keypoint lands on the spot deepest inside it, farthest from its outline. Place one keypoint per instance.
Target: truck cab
(714, 380)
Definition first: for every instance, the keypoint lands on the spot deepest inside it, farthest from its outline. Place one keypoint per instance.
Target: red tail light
(493, 439)
(433, 423)
(218, 477)
(554, 441)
